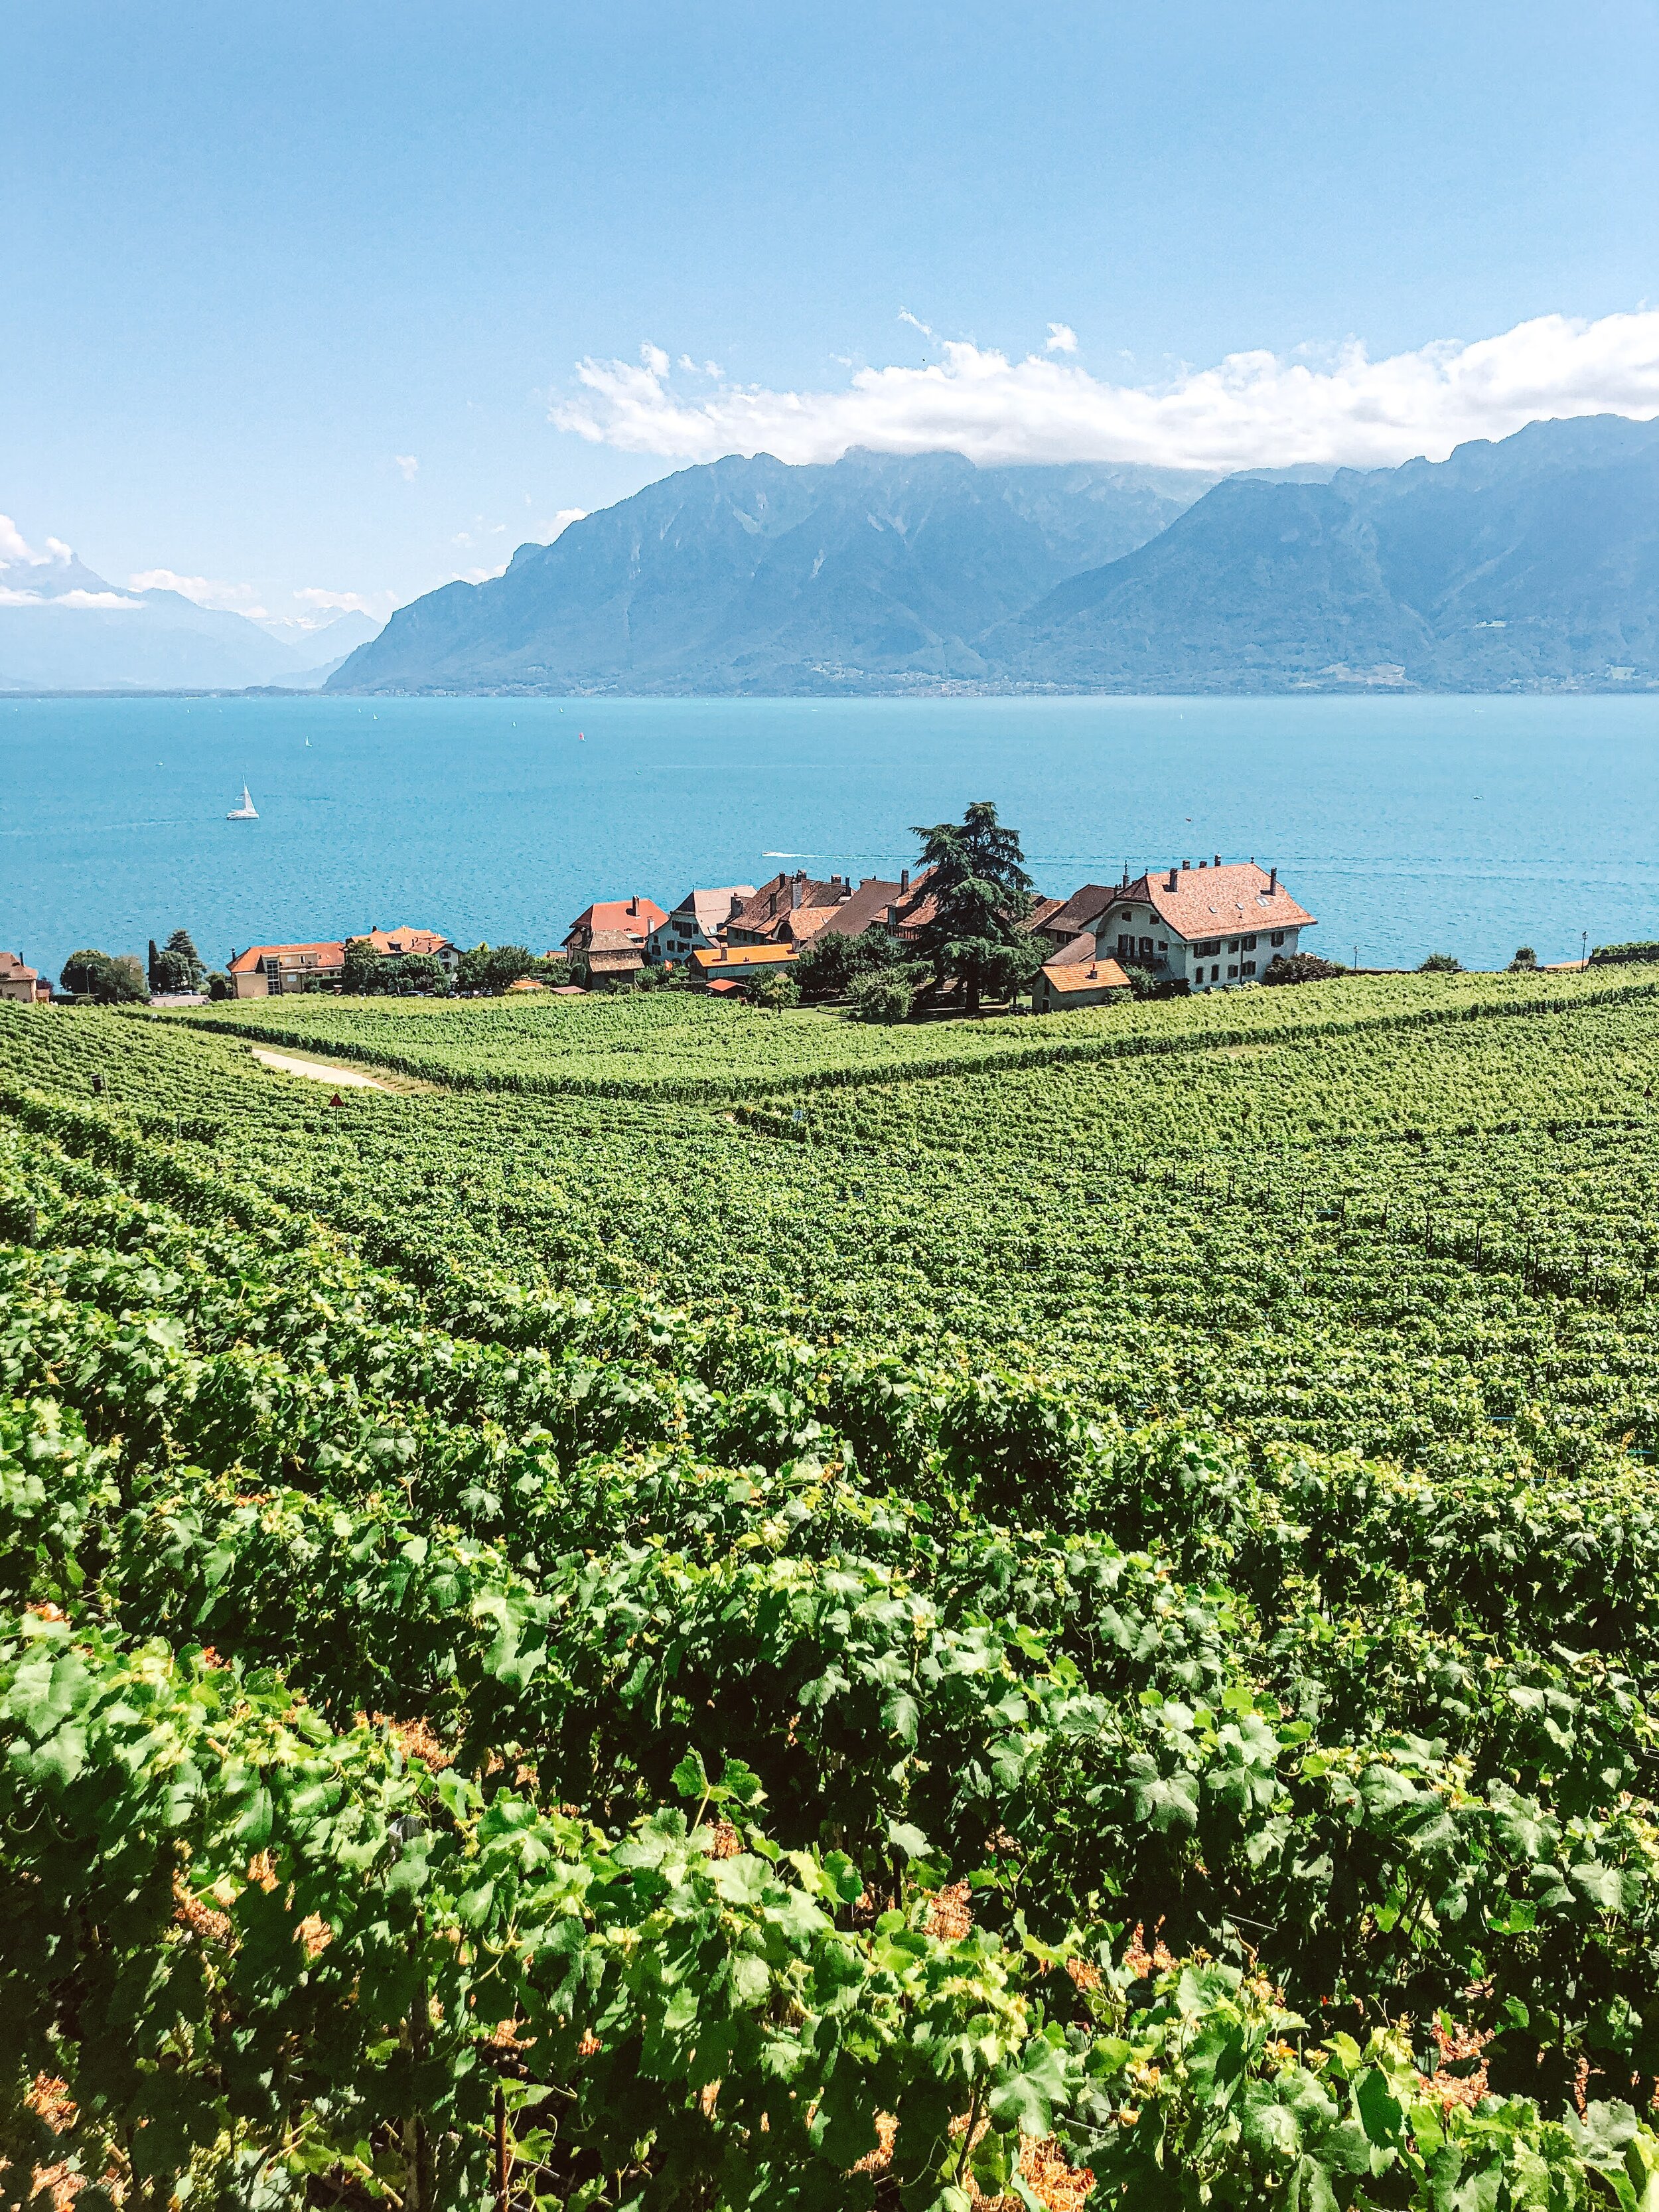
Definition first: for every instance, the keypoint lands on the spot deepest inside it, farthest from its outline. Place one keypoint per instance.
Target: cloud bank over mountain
(1334, 407)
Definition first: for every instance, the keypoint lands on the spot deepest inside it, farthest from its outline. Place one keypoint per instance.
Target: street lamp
(1583, 945)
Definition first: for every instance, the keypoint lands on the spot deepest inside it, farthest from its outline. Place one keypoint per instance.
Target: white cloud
(205, 591)
(547, 532)
(334, 603)
(915, 321)
(1251, 410)
(14, 547)
(1062, 338)
(410, 466)
(11, 598)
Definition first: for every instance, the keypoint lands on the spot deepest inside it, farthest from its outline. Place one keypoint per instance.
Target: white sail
(246, 812)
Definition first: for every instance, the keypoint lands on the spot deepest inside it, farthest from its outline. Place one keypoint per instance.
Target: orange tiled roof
(742, 956)
(1210, 902)
(634, 917)
(393, 941)
(1064, 976)
(12, 970)
(291, 955)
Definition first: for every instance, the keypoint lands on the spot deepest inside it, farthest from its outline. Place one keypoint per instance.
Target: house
(608, 939)
(1212, 926)
(732, 965)
(1058, 921)
(697, 923)
(392, 943)
(26, 985)
(266, 971)
(787, 910)
(794, 909)
(1077, 976)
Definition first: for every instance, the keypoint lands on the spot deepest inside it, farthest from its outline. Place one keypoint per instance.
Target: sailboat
(246, 812)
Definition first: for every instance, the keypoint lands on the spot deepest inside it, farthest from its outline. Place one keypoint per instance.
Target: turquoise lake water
(1406, 824)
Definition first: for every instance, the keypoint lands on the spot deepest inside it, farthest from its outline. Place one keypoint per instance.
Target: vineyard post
(502, 2167)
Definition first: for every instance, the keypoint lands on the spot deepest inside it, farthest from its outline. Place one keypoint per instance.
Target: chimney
(892, 917)
(1218, 860)
(794, 893)
(1093, 970)
(633, 904)
(1203, 864)
(1175, 877)
(1272, 881)
(904, 879)
(1186, 864)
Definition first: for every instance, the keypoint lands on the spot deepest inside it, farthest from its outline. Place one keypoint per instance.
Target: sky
(308, 306)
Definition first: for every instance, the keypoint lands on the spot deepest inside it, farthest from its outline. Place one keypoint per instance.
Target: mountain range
(64, 627)
(1527, 564)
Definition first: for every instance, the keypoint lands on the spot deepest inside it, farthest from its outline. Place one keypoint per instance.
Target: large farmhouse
(1212, 926)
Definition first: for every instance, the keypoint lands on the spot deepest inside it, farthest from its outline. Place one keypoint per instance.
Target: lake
(1407, 825)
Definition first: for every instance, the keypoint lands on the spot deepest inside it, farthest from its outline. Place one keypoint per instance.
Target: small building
(609, 938)
(393, 943)
(1077, 975)
(734, 964)
(1212, 926)
(787, 910)
(24, 984)
(267, 971)
(698, 922)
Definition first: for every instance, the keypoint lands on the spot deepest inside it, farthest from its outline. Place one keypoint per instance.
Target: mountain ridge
(1528, 563)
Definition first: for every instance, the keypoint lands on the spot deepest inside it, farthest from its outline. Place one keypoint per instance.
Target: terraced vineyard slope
(1063, 1618)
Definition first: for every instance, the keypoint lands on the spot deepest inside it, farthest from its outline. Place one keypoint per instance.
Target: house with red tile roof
(26, 985)
(392, 943)
(1213, 926)
(718, 966)
(608, 939)
(1078, 976)
(266, 971)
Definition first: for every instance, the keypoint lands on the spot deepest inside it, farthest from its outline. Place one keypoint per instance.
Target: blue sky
(296, 296)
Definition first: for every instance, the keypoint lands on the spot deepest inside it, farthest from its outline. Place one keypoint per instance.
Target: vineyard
(727, 1610)
(686, 1045)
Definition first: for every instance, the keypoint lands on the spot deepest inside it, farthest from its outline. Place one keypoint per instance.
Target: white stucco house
(1212, 926)
(697, 925)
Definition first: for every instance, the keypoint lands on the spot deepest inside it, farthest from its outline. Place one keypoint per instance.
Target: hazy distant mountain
(1529, 563)
(874, 573)
(63, 628)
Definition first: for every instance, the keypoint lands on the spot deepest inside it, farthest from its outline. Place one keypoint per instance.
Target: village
(1214, 925)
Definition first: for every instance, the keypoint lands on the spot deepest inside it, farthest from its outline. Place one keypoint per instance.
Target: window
(1147, 947)
(1232, 944)
(1249, 944)
(1163, 945)
(1215, 975)
(1278, 937)
(1206, 950)
(1249, 967)
(1233, 973)
(1126, 946)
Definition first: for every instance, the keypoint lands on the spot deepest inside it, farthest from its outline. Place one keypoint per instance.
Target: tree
(360, 975)
(178, 967)
(832, 963)
(487, 969)
(1525, 961)
(93, 975)
(1441, 964)
(979, 894)
(218, 985)
(769, 988)
(882, 994)
(413, 976)
(1302, 968)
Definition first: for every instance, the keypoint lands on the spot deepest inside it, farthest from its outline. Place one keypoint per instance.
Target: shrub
(1441, 964)
(887, 994)
(1302, 968)
(772, 991)
(1525, 961)
(1612, 955)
